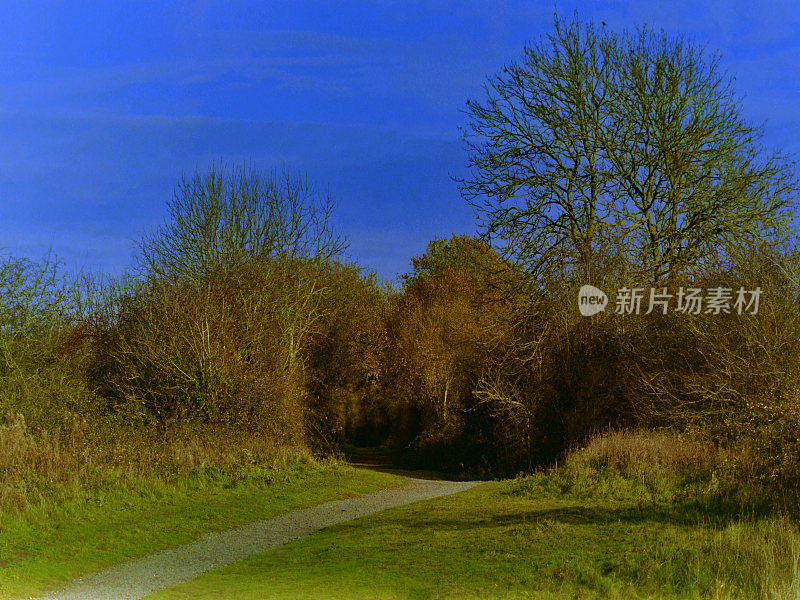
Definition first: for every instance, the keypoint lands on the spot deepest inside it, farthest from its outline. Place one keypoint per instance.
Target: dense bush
(344, 354)
(228, 298)
(207, 351)
(484, 374)
(439, 338)
(42, 349)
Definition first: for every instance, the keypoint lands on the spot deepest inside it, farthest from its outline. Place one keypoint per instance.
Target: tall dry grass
(755, 559)
(624, 450)
(39, 465)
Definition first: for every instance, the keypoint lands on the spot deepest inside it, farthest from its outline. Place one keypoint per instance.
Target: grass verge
(49, 543)
(614, 522)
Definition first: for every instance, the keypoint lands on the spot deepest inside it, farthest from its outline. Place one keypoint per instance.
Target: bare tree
(540, 179)
(229, 219)
(597, 144)
(690, 174)
(230, 297)
(225, 218)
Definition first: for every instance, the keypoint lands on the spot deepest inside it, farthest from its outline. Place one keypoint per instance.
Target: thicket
(622, 161)
(491, 376)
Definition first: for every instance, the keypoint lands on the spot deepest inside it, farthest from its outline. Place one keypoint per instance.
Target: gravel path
(144, 576)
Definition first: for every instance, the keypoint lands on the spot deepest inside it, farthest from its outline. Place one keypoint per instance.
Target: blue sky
(104, 105)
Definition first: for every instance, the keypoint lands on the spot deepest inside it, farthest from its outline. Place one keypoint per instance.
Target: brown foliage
(216, 350)
(344, 353)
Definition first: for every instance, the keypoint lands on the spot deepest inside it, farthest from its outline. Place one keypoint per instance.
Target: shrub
(229, 297)
(210, 351)
(42, 351)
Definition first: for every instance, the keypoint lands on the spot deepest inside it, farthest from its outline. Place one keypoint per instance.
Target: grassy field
(48, 544)
(581, 531)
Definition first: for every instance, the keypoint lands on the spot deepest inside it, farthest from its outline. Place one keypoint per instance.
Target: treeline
(484, 373)
(242, 315)
(464, 365)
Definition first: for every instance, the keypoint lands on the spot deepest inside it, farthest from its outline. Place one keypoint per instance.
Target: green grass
(47, 545)
(575, 533)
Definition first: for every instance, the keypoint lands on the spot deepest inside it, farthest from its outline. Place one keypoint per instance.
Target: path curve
(144, 576)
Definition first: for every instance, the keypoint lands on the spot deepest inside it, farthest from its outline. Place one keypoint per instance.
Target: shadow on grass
(706, 513)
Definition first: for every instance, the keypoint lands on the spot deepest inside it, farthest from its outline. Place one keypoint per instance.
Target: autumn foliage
(466, 364)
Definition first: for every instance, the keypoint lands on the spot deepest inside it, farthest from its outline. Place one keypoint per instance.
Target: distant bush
(42, 351)
(649, 466)
(626, 451)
